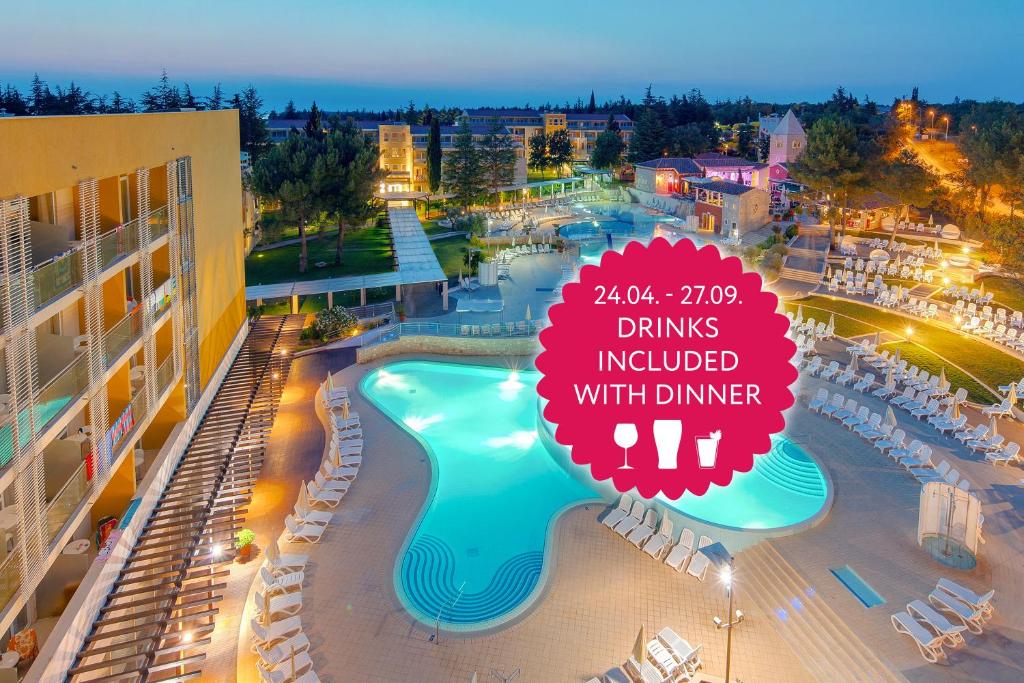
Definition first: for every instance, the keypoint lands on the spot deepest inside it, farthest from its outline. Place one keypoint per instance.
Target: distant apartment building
(523, 124)
(123, 290)
(403, 149)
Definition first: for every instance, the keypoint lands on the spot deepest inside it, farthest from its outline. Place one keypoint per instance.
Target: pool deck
(600, 588)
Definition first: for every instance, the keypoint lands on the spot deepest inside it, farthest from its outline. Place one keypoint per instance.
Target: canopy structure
(415, 263)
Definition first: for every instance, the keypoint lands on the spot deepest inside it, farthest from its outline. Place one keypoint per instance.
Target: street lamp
(946, 120)
(931, 117)
(727, 578)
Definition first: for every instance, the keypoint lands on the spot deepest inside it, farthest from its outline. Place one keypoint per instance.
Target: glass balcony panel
(122, 335)
(118, 243)
(158, 223)
(10, 574)
(50, 403)
(67, 501)
(165, 375)
(57, 277)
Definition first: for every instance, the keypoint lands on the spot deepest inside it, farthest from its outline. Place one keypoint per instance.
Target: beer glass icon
(667, 436)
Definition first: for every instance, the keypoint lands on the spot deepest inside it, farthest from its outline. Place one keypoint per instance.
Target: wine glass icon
(625, 438)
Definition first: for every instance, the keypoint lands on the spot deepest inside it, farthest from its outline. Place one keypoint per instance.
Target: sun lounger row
(511, 329)
(638, 525)
(280, 645)
(667, 658)
(951, 609)
(973, 295)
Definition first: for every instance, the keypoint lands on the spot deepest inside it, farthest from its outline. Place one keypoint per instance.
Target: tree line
(42, 100)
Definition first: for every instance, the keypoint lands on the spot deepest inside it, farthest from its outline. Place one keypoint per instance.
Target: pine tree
(607, 152)
(411, 115)
(560, 152)
(497, 158)
(314, 124)
(539, 158)
(463, 174)
(252, 128)
(649, 137)
(351, 174)
(434, 155)
(592, 107)
(216, 99)
(188, 101)
(289, 111)
(41, 96)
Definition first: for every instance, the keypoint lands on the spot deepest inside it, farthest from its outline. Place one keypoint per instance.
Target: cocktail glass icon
(667, 435)
(707, 449)
(625, 436)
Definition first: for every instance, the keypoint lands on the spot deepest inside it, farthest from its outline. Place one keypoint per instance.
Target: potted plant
(400, 309)
(243, 544)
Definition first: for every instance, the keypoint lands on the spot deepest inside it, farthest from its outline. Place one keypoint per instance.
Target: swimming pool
(477, 553)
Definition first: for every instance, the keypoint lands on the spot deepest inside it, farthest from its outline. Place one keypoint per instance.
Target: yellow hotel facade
(122, 303)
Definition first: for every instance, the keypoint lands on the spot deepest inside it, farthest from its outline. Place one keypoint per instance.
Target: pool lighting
(511, 386)
(522, 440)
(418, 423)
(187, 637)
(957, 319)
(945, 280)
(909, 330)
(390, 379)
(284, 352)
(967, 250)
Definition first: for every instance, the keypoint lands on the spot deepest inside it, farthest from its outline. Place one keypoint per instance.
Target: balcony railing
(10, 575)
(64, 273)
(73, 381)
(67, 501)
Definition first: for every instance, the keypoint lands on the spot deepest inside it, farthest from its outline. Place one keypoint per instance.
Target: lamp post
(946, 120)
(733, 618)
(931, 117)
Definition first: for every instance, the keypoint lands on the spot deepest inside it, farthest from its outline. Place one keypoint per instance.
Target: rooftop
(682, 165)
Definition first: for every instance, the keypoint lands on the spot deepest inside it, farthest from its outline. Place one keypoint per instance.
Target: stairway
(826, 647)
(800, 275)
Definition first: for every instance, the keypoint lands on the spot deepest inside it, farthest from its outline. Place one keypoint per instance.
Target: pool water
(477, 554)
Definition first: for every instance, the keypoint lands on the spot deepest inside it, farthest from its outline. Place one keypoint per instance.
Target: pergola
(415, 260)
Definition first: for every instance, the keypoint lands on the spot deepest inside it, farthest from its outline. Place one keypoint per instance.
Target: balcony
(65, 271)
(73, 381)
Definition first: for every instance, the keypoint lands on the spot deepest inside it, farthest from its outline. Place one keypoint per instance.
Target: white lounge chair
(325, 484)
(699, 566)
(973, 618)
(929, 644)
(982, 601)
(660, 542)
(275, 632)
(620, 512)
(282, 605)
(632, 520)
(685, 654)
(682, 551)
(285, 583)
(296, 530)
(282, 673)
(319, 496)
(643, 531)
(1009, 453)
(952, 635)
(283, 563)
(270, 657)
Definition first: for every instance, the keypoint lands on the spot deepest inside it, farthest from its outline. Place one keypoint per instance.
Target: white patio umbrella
(981, 289)
(640, 646)
(303, 500)
(1012, 396)
(853, 364)
(890, 378)
(832, 321)
(528, 315)
(344, 410)
(890, 417)
(942, 376)
(266, 608)
(931, 219)
(956, 410)
(993, 427)
(896, 357)
(878, 338)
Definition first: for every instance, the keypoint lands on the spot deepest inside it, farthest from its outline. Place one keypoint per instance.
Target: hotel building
(122, 301)
(583, 129)
(403, 149)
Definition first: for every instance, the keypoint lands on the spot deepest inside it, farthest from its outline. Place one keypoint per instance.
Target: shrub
(245, 537)
(333, 322)
(791, 231)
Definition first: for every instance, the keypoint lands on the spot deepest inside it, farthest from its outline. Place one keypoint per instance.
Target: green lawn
(935, 346)
(1008, 293)
(366, 251)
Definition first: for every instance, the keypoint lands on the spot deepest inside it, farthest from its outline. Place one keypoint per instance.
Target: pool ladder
(436, 636)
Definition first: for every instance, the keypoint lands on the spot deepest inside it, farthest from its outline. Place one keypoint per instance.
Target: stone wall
(450, 346)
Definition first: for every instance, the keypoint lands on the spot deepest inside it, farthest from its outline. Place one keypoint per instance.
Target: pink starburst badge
(666, 368)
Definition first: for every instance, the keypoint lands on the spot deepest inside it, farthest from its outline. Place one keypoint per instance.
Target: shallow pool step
(796, 475)
(825, 645)
(430, 582)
